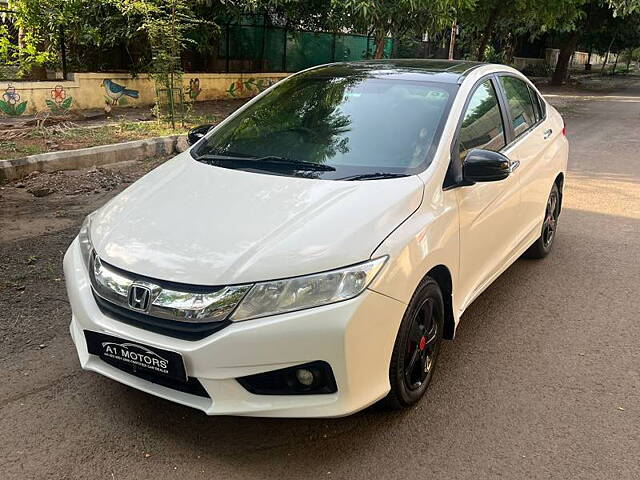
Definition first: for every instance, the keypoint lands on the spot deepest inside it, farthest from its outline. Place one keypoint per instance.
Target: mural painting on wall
(250, 86)
(59, 102)
(115, 94)
(194, 89)
(10, 103)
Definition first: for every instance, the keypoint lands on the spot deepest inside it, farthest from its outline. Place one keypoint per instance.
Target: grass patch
(49, 139)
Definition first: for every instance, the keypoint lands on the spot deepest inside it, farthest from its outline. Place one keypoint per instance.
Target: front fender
(430, 237)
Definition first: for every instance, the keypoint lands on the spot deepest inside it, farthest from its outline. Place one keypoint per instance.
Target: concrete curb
(88, 157)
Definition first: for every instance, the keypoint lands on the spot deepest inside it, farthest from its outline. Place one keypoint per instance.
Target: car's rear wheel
(543, 244)
(417, 346)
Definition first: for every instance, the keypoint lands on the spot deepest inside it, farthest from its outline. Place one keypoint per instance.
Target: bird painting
(115, 91)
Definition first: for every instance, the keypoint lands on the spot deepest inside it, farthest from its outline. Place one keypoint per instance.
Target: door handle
(547, 133)
(513, 166)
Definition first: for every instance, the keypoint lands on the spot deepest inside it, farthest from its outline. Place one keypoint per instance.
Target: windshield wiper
(268, 160)
(374, 176)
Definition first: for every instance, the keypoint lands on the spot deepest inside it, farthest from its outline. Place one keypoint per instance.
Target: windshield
(352, 126)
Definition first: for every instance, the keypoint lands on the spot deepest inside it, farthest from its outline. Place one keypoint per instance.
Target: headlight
(280, 296)
(84, 238)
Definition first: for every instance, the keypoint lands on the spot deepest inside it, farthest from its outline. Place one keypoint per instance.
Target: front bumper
(355, 337)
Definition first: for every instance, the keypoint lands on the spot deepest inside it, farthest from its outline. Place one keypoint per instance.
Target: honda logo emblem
(139, 297)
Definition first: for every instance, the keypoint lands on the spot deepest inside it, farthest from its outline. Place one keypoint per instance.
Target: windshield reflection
(356, 123)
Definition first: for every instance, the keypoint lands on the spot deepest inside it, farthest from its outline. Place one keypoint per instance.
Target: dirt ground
(542, 381)
(22, 136)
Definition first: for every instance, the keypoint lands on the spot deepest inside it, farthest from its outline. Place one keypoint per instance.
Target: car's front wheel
(417, 345)
(543, 244)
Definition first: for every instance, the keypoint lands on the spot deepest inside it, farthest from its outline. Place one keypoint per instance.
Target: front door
(488, 210)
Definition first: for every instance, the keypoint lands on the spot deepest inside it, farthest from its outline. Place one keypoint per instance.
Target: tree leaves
(624, 7)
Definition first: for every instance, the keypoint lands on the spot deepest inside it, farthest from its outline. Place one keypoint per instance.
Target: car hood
(198, 224)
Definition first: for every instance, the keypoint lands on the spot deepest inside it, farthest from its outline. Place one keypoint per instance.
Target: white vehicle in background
(308, 255)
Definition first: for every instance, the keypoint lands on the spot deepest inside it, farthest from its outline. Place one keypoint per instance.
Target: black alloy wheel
(542, 246)
(422, 344)
(550, 219)
(417, 345)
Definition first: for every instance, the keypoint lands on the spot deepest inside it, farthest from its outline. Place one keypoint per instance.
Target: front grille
(171, 328)
(163, 305)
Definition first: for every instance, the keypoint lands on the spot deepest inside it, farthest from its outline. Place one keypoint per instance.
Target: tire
(416, 347)
(542, 246)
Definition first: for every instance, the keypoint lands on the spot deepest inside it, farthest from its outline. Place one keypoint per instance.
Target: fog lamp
(313, 378)
(305, 377)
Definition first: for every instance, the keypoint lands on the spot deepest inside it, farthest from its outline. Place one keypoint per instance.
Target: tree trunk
(452, 40)
(486, 35)
(561, 72)
(511, 48)
(615, 65)
(381, 37)
(606, 57)
(395, 45)
(629, 53)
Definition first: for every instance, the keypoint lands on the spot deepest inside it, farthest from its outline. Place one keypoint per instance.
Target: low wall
(578, 58)
(106, 90)
(523, 62)
(551, 59)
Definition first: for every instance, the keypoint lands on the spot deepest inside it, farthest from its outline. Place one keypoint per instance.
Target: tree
(489, 20)
(313, 15)
(579, 19)
(397, 17)
(39, 23)
(624, 7)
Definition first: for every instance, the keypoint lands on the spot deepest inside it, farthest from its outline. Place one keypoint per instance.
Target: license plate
(136, 358)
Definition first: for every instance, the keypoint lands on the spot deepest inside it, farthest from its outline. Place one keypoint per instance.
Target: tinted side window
(539, 102)
(536, 104)
(520, 104)
(482, 123)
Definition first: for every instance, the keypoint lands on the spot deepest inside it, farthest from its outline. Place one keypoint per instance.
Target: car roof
(445, 71)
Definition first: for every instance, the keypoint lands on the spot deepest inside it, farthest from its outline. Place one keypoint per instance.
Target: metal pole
(452, 40)
(333, 48)
(284, 51)
(63, 53)
(264, 41)
(228, 43)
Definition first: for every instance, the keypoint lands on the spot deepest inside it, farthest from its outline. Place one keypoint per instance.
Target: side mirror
(486, 166)
(196, 133)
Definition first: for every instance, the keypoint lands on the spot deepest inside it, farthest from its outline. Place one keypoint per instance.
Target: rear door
(489, 210)
(533, 137)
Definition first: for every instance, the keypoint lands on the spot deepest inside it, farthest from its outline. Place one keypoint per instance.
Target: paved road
(543, 380)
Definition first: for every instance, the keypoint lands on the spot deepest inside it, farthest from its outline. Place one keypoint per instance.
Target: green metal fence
(262, 48)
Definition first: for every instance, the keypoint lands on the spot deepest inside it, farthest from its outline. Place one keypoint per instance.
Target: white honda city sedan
(307, 256)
